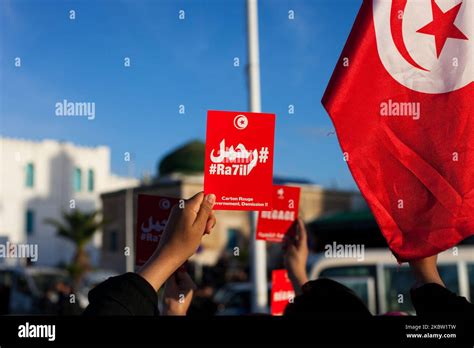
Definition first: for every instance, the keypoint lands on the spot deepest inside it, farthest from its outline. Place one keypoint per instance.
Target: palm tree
(78, 227)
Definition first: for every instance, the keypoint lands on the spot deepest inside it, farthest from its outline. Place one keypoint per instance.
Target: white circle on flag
(452, 70)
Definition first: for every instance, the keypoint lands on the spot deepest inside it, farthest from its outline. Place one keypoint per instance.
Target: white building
(39, 180)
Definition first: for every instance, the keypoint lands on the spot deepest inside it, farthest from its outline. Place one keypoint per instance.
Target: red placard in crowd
(238, 167)
(274, 224)
(152, 216)
(282, 291)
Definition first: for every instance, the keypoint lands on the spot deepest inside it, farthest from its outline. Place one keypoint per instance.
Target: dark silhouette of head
(327, 298)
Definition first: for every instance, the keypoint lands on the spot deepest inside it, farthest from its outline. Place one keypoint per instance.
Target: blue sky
(173, 62)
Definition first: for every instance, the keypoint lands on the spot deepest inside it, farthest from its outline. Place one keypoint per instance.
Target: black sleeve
(433, 300)
(127, 294)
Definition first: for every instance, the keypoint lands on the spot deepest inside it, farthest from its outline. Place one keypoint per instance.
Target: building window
(113, 247)
(90, 180)
(30, 222)
(232, 239)
(77, 179)
(30, 175)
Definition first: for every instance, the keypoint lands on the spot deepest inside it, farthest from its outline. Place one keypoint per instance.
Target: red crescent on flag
(396, 28)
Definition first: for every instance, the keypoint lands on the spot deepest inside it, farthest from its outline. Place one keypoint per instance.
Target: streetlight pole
(258, 252)
(129, 242)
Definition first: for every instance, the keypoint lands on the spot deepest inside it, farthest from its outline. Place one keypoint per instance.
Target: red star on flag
(442, 27)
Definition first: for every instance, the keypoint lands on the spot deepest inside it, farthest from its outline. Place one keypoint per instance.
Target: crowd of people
(135, 293)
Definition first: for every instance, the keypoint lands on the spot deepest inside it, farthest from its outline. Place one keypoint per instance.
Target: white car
(384, 285)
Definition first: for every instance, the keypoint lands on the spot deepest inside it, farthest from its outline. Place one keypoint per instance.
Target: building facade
(41, 179)
(232, 229)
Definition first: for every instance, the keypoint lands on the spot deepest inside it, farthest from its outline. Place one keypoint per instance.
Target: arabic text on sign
(233, 161)
(278, 215)
(283, 295)
(158, 226)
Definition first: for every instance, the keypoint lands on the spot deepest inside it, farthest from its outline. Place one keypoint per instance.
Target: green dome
(186, 159)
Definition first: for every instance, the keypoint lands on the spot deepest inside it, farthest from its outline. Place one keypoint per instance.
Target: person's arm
(135, 293)
(178, 293)
(180, 240)
(426, 271)
(430, 296)
(295, 246)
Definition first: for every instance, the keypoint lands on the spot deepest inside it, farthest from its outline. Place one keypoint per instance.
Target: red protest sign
(273, 224)
(282, 291)
(238, 167)
(152, 216)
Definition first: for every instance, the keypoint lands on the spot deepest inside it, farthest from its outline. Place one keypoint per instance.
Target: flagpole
(258, 257)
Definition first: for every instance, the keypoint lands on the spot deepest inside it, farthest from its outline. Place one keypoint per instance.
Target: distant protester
(328, 298)
(321, 298)
(430, 296)
(136, 293)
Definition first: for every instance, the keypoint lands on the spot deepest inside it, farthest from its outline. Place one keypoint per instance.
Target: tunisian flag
(401, 101)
